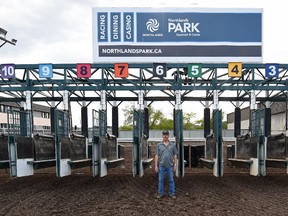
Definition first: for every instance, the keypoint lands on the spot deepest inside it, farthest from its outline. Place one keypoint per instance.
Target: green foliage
(126, 127)
(159, 121)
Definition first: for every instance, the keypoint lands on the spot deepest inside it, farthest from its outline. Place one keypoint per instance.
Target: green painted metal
(99, 124)
(19, 124)
(179, 141)
(217, 130)
(137, 136)
(62, 129)
(214, 76)
(257, 123)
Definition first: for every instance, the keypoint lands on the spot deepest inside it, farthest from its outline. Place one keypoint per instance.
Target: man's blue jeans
(161, 176)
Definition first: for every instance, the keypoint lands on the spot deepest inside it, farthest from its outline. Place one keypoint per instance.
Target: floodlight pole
(3, 33)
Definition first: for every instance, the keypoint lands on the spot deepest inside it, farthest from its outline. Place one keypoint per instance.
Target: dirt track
(198, 193)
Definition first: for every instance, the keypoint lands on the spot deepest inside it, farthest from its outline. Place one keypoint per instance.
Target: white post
(28, 100)
(178, 105)
(141, 100)
(267, 103)
(215, 100)
(253, 100)
(103, 100)
(65, 99)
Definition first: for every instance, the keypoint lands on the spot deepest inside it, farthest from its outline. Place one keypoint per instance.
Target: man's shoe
(173, 196)
(159, 196)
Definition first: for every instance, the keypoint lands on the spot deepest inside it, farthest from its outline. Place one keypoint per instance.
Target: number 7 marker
(121, 70)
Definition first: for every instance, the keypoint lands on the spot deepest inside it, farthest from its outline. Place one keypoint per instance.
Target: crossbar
(80, 163)
(42, 163)
(207, 163)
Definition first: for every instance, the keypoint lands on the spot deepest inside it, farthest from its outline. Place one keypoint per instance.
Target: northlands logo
(152, 25)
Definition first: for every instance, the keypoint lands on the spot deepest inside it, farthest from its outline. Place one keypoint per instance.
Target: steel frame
(214, 77)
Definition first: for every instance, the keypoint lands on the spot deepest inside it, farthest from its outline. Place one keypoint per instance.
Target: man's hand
(156, 169)
(175, 167)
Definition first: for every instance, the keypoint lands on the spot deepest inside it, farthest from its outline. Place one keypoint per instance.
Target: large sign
(177, 35)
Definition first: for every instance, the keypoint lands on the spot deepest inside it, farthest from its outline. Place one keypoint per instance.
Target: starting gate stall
(71, 149)
(179, 142)
(20, 143)
(44, 151)
(277, 154)
(213, 153)
(26, 153)
(105, 148)
(140, 150)
(250, 150)
(4, 155)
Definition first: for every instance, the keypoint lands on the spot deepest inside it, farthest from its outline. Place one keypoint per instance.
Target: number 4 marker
(234, 69)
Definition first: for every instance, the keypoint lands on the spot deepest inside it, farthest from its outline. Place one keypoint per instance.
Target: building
(41, 115)
(278, 117)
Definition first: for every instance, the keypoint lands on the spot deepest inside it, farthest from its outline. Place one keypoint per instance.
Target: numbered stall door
(20, 143)
(99, 124)
(257, 123)
(217, 129)
(138, 127)
(62, 129)
(179, 141)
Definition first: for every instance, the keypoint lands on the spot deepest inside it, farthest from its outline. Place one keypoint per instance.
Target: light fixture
(3, 33)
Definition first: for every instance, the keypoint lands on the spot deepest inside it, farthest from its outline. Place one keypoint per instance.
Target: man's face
(165, 136)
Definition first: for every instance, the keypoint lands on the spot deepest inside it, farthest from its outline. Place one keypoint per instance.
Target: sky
(53, 31)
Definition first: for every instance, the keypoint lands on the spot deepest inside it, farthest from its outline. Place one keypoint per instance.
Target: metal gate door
(62, 128)
(217, 130)
(99, 130)
(179, 142)
(20, 142)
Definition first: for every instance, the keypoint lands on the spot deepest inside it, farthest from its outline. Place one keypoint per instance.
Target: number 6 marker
(159, 69)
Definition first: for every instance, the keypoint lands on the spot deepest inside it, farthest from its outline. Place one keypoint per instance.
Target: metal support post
(103, 100)
(179, 134)
(65, 100)
(215, 100)
(252, 100)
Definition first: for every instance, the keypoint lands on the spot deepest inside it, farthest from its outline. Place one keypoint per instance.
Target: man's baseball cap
(165, 132)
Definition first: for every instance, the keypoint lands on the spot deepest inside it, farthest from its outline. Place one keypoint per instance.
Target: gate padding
(74, 148)
(109, 150)
(4, 155)
(210, 152)
(277, 153)
(246, 154)
(246, 147)
(44, 147)
(44, 151)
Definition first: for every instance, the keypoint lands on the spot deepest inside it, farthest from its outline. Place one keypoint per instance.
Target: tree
(157, 119)
(128, 113)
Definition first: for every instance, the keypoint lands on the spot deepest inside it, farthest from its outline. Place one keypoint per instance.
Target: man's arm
(156, 163)
(175, 163)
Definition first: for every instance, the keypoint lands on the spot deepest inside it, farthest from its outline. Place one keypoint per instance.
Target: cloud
(51, 31)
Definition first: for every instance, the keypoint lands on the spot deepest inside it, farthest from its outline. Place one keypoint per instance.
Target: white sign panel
(177, 35)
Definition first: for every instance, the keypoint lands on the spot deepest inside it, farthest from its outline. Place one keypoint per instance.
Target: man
(165, 162)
